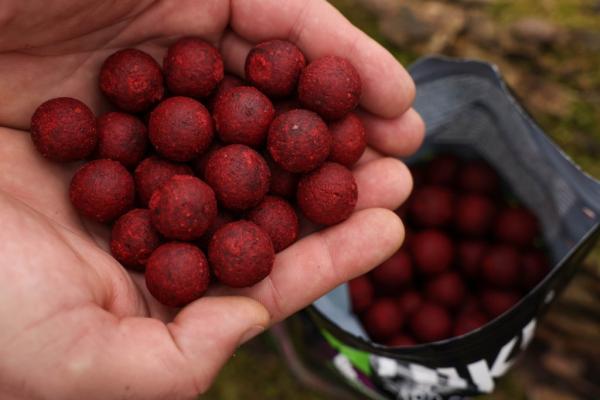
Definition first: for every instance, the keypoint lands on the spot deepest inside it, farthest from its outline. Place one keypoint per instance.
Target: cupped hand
(73, 323)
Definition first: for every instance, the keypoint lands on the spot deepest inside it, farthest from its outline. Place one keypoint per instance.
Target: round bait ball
(177, 274)
(239, 176)
(184, 208)
(328, 195)
(193, 67)
(102, 190)
(241, 254)
(180, 129)
(153, 173)
(299, 141)
(132, 80)
(330, 86)
(122, 137)
(274, 67)
(64, 129)
(278, 218)
(133, 239)
(349, 140)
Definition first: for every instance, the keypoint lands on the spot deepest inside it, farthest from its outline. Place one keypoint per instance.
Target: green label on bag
(358, 358)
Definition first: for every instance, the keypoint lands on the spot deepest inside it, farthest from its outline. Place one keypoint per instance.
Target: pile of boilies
(471, 253)
(196, 161)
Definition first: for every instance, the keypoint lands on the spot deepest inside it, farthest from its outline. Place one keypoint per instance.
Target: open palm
(73, 323)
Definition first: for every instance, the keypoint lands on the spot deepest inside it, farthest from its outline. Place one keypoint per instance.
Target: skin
(75, 324)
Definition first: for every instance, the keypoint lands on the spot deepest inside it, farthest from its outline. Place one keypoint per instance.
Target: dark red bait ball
(283, 183)
(243, 115)
(474, 214)
(330, 86)
(132, 80)
(534, 268)
(361, 293)
(395, 273)
(183, 208)
(401, 341)
(497, 302)
(220, 220)
(241, 254)
(443, 170)
(177, 274)
(228, 82)
(432, 251)
(432, 206)
(431, 323)
(133, 239)
(278, 218)
(349, 140)
(447, 289)
(122, 137)
(64, 129)
(470, 255)
(199, 163)
(383, 320)
(501, 266)
(479, 177)
(239, 176)
(299, 141)
(180, 129)
(193, 68)
(153, 173)
(517, 226)
(469, 321)
(409, 302)
(102, 190)
(328, 195)
(274, 67)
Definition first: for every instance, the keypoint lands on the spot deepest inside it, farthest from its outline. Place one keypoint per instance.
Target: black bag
(466, 106)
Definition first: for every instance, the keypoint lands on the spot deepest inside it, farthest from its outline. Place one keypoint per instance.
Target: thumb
(208, 331)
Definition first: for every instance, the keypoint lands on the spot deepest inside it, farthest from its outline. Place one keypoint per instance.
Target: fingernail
(250, 333)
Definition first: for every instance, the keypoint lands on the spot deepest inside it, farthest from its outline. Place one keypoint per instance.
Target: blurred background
(549, 53)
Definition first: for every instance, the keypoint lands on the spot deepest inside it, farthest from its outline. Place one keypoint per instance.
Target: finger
(324, 260)
(400, 136)
(368, 156)
(234, 50)
(319, 30)
(385, 183)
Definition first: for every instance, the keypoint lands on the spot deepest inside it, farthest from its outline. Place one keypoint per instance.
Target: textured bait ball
(349, 140)
(177, 274)
(132, 80)
(299, 141)
(239, 176)
(64, 129)
(180, 129)
(102, 190)
(328, 195)
(330, 86)
(153, 173)
(122, 137)
(133, 239)
(221, 219)
(243, 115)
(199, 164)
(278, 218)
(184, 208)
(274, 67)
(228, 82)
(193, 68)
(241, 254)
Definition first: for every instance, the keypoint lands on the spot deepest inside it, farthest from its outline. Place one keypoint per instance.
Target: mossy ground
(257, 372)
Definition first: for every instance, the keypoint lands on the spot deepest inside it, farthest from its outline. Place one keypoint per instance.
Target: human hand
(74, 323)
